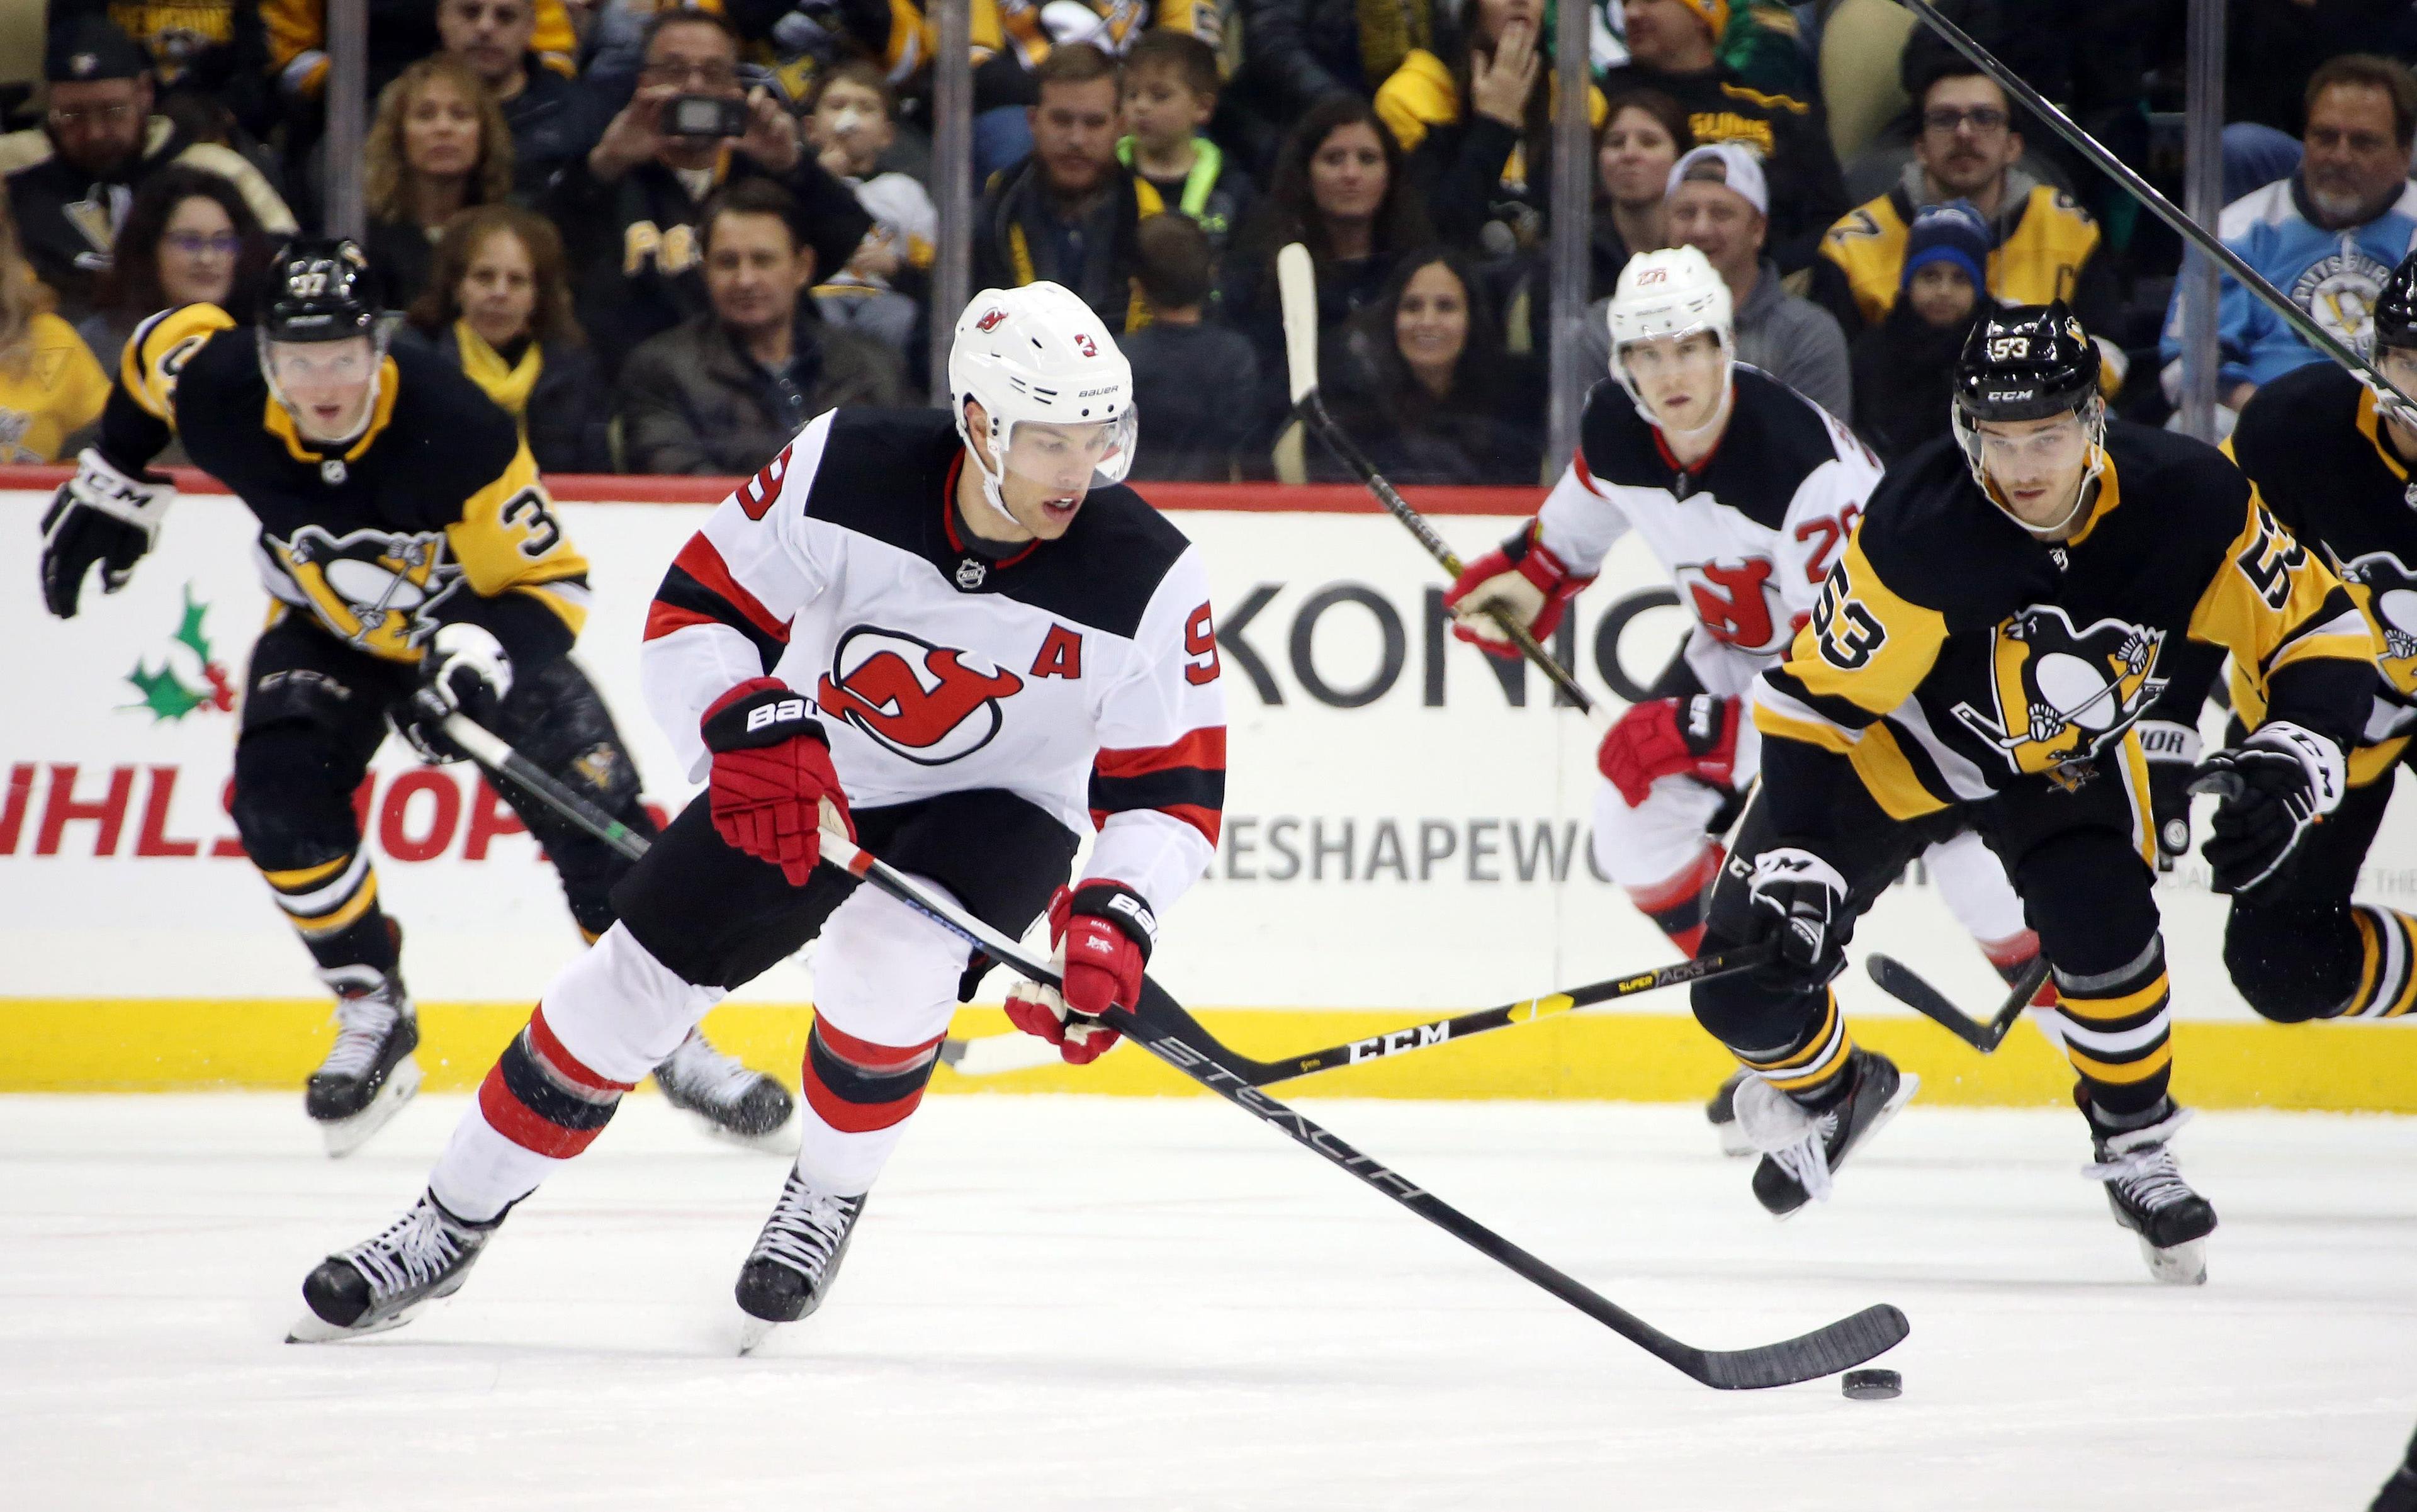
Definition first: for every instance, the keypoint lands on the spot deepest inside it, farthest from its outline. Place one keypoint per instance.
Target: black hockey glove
(100, 515)
(2172, 751)
(1800, 901)
(463, 671)
(2271, 789)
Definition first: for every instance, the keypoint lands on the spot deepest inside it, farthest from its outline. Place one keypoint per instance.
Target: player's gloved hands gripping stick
(772, 786)
(1799, 903)
(1694, 737)
(2273, 787)
(2172, 752)
(463, 671)
(1520, 580)
(1101, 933)
(101, 514)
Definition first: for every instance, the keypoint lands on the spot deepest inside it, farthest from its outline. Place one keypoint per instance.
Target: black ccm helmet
(2395, 316)
(2024, 363)
(319, 289)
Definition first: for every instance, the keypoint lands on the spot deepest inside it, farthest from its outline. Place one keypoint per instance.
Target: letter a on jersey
(931, 704)
(2063, 694)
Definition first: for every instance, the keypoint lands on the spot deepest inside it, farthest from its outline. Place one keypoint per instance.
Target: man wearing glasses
(70, 182)
(628, 209)
(1966, 147)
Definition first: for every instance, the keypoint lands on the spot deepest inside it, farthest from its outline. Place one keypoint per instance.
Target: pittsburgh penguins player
(1979, 655)
(964, 642)
(2336, 461)
(417, 568)
(1745, 490)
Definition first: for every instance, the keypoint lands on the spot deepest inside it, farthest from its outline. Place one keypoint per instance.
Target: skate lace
(2149, 1177)
(414, 1251)
(705, 1074)
(1808, 1159)
(1796, 1142)
(805, 1229)
(363, 1024)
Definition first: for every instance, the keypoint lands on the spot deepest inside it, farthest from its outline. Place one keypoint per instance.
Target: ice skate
(380, 1284)
(795, 1258)
(368, 1074)
(735, 1103)
(1720, 1113)
(2145, 1189)
(1801, 1149)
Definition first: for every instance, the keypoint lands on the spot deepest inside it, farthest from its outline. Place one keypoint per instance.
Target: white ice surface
(1067, 1303)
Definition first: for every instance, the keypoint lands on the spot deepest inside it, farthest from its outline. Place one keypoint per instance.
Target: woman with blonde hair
(439, 146)
(50, 387)
(498, 306)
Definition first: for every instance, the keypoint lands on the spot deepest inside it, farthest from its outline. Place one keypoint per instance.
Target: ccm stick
(1161, 1026)
(1901, 982)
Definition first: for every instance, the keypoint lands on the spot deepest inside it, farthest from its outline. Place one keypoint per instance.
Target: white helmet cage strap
(377, 338)
(1039, 355)
(2091, 413)
(1672, 294)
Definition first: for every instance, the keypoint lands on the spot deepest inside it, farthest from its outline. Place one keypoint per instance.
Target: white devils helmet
(1671, 293)
(1040, 354)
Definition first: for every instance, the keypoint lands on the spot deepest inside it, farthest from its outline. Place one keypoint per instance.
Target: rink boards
(1404, 834)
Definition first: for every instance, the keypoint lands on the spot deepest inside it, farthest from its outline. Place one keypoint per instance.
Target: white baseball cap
(1738, 167)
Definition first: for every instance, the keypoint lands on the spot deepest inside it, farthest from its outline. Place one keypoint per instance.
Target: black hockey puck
(1872, 1386)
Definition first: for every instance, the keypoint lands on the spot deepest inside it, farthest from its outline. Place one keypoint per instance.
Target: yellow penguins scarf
(507, 385)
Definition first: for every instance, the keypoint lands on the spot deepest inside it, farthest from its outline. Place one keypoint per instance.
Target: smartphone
(704, 116)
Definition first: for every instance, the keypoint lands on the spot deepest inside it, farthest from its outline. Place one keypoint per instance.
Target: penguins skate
(1802, 1150)
(735, 1103)
(1720, 1113)
(2145, 1189)
(383, 1282)
(795, 1258)
(368, 1074)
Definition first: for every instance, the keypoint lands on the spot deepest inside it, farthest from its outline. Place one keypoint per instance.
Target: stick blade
(1297, 286)
(1902, 982)
(1825, 1352)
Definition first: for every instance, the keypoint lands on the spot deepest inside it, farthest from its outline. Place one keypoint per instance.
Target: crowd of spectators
(663, 234)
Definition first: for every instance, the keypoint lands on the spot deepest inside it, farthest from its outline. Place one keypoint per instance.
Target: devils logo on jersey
(931, 704)
(1737, 603)
(2386, 589)
(376, 589)
(2063, 694)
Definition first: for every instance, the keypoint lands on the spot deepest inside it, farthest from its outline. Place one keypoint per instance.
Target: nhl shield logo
(929, 704)
(2063, 693)
(971, 572)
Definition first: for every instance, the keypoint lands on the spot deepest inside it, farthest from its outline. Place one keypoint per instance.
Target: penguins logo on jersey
(929, 704)
(2339, 292)
(1737, 603)
(376, 589)
(2061, 694)
(2386, 589)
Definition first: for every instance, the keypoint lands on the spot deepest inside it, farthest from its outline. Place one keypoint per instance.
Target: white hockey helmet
(1040, 354)
(1670, 294)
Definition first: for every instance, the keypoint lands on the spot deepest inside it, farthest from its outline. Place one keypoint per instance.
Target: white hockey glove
(2271, 789)
(463, 671)
(2172, 749)
(100, 515)
(1800, 901)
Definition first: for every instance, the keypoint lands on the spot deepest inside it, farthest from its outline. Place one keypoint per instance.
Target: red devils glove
(772, 787)
(1660, 737)
(1527, 582)
(1102, 933)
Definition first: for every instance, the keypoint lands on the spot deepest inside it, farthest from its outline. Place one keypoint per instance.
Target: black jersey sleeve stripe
(1171, 789)
(686, 599)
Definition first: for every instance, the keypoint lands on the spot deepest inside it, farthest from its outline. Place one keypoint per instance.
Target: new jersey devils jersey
(1080, 674)
(1748, 533)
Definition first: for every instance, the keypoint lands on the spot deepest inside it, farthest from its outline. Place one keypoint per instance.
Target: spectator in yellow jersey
(49, 386)
(438, 147)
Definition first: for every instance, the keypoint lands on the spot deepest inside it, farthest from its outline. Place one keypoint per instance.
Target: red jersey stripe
(1202, 748)
(701, 560)
(1209, 821)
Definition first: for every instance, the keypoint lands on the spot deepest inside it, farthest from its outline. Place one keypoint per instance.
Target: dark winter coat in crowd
(1019, 239)
(1607, 253)
(553, 121)
(1489, 429)
(403, 257)
(1186, 384)
(635, 257)
(1808, 191)
(2089, 56)
(693, 401)
(1905, 380)
(1295, 52)
(567, 418)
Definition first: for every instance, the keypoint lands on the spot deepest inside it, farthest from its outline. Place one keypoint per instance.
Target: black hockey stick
(977, 1058)
(1160, 1026)
(1297, 289)
(1900, 980)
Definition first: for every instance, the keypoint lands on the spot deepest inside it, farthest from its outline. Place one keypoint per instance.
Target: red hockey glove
(1102, 932)
(1527, 582)
(1660, 737)
(772, 786)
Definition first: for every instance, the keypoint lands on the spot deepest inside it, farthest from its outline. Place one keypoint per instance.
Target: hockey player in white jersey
(965, 643)
(1746, 491)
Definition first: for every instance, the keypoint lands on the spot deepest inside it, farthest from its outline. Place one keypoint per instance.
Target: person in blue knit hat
(1903, 365)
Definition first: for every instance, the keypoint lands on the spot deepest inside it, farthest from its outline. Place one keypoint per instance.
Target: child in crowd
(853, 123)
(1192, 380)
(1169, 92)
(1904, 365)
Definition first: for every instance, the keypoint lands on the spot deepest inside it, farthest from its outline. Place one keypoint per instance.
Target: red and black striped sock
(541, 1098)
(857, 1086)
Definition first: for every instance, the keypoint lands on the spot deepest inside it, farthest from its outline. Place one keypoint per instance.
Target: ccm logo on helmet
(991, 320)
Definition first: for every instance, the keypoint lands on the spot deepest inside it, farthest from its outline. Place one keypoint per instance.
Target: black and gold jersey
(1950, 655)
(2313, 446)
(434, 513)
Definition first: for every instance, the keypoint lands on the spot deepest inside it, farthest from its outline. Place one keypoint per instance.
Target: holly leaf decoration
(188, 632)
(163, 694)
